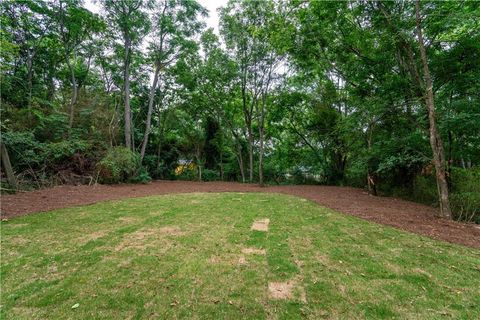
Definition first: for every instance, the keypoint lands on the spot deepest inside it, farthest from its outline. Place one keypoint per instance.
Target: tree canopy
(383, 95)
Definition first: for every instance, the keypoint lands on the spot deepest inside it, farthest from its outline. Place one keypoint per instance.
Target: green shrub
(210, 175)
(188, 175)
(465, 194)
(466, 206)
(119, 165)
(425, 190)
(26, 152)
(142, 176)
(231, 171)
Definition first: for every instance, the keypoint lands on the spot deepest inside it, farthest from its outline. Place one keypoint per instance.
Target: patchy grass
(195, 256)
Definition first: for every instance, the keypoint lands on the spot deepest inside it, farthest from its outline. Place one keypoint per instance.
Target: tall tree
(435, 139)
(128, 19)
(246, 28)
(174, 24)
(75, 25)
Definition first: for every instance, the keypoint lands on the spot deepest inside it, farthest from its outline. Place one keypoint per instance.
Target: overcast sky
(211, 5)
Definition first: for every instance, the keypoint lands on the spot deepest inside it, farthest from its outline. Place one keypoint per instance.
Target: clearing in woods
(196, 256)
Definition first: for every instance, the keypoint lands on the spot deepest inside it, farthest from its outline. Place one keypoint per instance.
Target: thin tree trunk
(221, 156)
(111, 126)
(199, 165)
(250, 153)
(126, 78)
(260, 158)
(30, 83)
(247, 114)
(239, 153)
(261, 134)
(372, 188)
(240, 162)
(151, 98)
(161, 127)
(73, 99)
(7, 166)
(435, 139)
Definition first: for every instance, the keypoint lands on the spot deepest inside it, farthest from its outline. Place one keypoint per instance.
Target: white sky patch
(92, 6)
(213, 17)
(212, 20)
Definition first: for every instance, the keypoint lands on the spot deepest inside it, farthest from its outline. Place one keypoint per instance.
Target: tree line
(382, 95)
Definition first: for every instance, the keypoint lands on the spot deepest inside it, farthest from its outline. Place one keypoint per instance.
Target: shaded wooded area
(381, 95)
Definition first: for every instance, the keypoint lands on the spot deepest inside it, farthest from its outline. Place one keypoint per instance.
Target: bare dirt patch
(145, 238)
(15, 225)
(129, 220)
(261, 225)
(421, 271)
(323, 259)
(242, 260)
(92, 236)
(171, 230)
(401, 214)
(254, 251)
(19, 241)
(227, 259)
(289, 290)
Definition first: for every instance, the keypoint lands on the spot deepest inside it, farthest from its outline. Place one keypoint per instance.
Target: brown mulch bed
(401, 214)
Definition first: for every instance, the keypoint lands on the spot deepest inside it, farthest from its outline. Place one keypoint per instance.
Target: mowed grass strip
(183, 256)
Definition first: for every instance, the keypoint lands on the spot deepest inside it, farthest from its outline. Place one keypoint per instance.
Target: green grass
(177, 256)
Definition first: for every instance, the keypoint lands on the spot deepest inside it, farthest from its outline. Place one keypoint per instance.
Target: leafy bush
(465, 195)
(188, 174)
(142, 176)
(425, 190)
(231, 171)
(466, 206)
(26, 152)
(120, 164)
(210, 175)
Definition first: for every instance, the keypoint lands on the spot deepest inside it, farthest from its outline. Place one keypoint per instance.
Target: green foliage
(26, 152)
(465, 195)
(425, 190)
(120, 165)
(188, 174)
(142, 176)
(331, 90)
(210, 175)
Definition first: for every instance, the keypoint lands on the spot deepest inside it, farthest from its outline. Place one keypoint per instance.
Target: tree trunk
(372, 187)
(247, 114)
(151, 98)
(7, 166)
(126, 93)
(221, 159)
(73, 99)
(199, 165)
(435, 139)
(261, 133)
(250, 154)
(240, 162)
(30, 83)
(260, 158)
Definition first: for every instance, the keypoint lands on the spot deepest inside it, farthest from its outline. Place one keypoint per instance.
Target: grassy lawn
(185, 256)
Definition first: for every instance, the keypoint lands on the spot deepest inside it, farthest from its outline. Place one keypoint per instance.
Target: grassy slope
(177, 256)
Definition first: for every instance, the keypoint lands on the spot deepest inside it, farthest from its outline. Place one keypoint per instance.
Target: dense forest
(380, 95)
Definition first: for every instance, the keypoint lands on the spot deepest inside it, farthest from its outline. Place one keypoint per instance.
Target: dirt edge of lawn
(401, 214)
